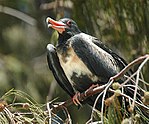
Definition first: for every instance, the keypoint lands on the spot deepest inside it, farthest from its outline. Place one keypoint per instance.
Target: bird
(80, 60)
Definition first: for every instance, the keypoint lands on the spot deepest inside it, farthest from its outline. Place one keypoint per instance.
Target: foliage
(28, 111)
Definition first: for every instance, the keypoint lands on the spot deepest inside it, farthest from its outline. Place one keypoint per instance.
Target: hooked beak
(57, 25)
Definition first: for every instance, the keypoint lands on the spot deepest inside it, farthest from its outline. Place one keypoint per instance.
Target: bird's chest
(76, 71)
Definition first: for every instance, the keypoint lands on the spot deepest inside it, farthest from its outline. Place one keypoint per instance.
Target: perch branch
(99, 89)
(130, 65)
(82, 97)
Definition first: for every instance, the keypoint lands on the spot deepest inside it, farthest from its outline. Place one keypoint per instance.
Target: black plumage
(80, 60)
(57, 71)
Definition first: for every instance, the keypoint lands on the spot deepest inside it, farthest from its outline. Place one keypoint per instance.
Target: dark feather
(57, 70)
(98, 61)
(119, 60)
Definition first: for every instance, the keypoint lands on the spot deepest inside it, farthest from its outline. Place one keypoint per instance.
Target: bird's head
(66, 27)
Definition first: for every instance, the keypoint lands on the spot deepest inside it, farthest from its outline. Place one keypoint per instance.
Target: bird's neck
(62, 43)
(63, 38)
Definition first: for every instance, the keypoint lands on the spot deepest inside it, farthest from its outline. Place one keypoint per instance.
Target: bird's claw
(75, 99)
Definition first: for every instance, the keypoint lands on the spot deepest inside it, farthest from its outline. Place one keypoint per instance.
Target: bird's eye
(69, 23)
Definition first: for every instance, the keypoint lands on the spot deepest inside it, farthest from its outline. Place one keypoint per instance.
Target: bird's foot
(75, 99)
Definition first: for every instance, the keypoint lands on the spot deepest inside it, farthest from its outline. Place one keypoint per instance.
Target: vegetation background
(123, 25)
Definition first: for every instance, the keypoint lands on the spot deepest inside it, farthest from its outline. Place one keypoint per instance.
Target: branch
(129, 66)
(18, 14)
(89, 92)
(137, 81)
(92, 91)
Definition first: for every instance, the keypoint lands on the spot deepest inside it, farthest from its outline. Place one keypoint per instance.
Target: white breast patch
(72, 63)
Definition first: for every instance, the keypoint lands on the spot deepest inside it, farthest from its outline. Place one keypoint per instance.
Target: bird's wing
(98, 61)
(57, 70)
(119, 60)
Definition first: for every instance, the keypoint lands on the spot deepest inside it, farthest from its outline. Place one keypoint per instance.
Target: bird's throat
(62, 39)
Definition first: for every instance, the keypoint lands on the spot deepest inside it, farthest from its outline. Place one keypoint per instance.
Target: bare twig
(137, 80)
(93, 109)
(68, 121)
(9, 115)
(49, 113)
(130, 65)
(128, 97)
(103, 98)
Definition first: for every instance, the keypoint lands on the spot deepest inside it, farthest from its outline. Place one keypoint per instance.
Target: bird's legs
(75, 99)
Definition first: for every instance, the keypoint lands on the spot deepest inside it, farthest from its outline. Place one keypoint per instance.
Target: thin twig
(10, 115)
(103, 98)
(129, 78)
(126, 96)
(55, 115)
(93, 109)
(144, 83)
(130, 65)
(68, 116)
(137, 81)
(49, 113)
(129, 85)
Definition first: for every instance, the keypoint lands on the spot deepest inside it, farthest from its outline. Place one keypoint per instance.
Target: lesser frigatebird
(80, 60)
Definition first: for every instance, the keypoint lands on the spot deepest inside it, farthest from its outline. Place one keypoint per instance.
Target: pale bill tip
(47, 19)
